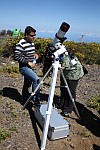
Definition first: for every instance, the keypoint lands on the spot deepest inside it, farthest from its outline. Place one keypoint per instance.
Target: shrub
(4, 134)
(88, 53)
(94, 102)
(10, 69)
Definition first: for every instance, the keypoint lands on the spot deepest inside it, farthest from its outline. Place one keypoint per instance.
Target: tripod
(55, 67)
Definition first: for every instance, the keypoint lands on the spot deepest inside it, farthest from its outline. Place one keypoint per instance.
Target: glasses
(32, 35)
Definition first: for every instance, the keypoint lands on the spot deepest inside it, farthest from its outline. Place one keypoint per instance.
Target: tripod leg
(49, 106)
(33, 93)
(72, 99)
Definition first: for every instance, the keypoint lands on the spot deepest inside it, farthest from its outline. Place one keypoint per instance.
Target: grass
(10, 69)
(94, 103)
(4, 134)
(85, 133)
(14, 128)
(10, 106)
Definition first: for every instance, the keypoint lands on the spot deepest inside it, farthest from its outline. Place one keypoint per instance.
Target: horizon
(76, 37)
(71, 37)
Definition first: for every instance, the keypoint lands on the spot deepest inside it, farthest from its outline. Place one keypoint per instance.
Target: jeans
(30, 78)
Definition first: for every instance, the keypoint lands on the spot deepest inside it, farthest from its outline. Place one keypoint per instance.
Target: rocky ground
(25, 132)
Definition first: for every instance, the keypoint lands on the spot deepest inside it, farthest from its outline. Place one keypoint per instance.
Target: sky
(46, 16)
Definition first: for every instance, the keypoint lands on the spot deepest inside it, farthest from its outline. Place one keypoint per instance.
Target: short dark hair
(29, 29)
(70, 51)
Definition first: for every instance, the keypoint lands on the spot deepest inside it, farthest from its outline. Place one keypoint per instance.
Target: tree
(9, 32)
(3, 32)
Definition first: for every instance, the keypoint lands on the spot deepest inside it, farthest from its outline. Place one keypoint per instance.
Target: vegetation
(85, 133)
(4, 134)
(9, 69)
(94, 103)
(88, 53)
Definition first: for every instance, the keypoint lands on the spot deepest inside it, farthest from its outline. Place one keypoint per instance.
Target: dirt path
(24, 129)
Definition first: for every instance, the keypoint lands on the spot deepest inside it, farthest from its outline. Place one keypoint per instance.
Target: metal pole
(56, 65)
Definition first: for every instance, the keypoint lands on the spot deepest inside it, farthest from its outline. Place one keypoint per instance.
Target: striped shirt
(24, 52)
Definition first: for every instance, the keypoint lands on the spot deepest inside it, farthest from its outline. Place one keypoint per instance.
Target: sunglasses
(32, 35)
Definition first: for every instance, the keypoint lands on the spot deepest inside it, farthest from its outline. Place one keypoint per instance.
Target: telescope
(55, 45)
(56, 48)
(59, 36)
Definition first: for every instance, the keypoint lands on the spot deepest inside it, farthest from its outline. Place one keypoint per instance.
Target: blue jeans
(30, 78)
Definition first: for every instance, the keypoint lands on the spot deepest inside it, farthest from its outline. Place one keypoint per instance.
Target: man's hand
(36, 56)
(31, 64)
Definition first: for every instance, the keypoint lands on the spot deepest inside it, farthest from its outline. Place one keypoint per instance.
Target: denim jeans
(30, 78)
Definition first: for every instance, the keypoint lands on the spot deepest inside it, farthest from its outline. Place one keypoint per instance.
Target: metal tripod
(55, 67)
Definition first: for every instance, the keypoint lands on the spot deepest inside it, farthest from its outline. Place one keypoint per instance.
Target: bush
(10, 69)
(4, 134)
(94, 103)
(88, 53)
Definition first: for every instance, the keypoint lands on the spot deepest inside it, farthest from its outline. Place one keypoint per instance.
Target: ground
(26, 134)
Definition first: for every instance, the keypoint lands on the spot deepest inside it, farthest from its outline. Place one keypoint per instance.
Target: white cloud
(86, 34)
(47, 31)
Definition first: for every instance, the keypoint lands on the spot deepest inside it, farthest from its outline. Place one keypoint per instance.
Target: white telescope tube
(61, 32)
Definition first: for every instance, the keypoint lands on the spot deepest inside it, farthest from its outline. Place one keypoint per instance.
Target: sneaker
(64, 113)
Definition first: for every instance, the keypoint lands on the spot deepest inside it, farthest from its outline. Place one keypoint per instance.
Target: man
(26, 56)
